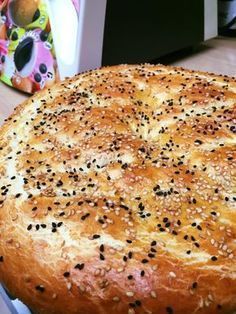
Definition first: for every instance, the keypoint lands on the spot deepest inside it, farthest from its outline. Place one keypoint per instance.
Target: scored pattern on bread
(118, 194)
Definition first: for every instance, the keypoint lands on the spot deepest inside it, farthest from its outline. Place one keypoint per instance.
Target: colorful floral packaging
(27, 54)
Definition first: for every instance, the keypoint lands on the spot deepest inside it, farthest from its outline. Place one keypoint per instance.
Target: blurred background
(43, 41)
(199, 34)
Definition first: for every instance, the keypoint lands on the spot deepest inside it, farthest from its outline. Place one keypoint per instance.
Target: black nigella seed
(144, 261)
(59, 183)
(102, 258)
(101, 221)
(233, 128)
(1, 259)
(124, 166)
(142, 273)
(85, 216)
(169, 310)
(79, 266)
(214, 258)
(138, 303)
(198, 142)
(194, 285)
(29, 227)
(66, 274)
(124, 207)
(40, 288)
(96, 236)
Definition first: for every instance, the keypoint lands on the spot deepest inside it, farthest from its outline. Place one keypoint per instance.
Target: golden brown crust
(117, 194)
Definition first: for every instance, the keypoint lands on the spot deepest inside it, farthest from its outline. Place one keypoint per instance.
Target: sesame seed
(172, 274)
(129, 294)
(153, 294)
(116, 299)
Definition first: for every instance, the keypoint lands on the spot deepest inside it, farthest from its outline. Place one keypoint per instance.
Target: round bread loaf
(117, 194)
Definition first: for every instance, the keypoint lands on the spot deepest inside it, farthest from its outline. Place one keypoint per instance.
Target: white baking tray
(8, 306)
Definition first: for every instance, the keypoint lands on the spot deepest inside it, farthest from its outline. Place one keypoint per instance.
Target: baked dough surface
(117, 194)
